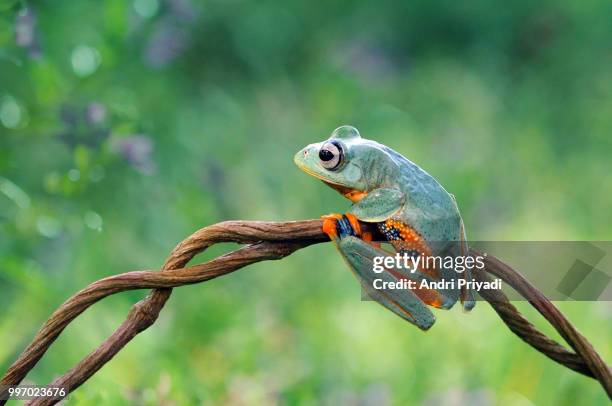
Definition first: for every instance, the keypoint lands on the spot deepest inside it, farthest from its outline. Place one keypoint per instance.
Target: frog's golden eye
(331, 155)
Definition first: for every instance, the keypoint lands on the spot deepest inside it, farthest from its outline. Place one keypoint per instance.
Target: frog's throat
(351, 194)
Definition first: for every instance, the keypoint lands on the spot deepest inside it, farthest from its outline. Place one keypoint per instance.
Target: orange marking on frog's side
(410, 239)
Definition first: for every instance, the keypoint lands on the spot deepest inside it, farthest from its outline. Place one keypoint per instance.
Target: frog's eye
(331, 155)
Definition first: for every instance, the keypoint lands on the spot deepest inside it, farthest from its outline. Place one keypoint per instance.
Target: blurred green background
(126, 125)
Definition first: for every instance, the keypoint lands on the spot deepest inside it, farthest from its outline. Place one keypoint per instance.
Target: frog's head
(348, 163)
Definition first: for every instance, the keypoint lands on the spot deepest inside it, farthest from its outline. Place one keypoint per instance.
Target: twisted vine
(271, 241)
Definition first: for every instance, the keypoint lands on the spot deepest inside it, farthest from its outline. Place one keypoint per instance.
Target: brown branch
(597, 368)
(267, 241)
(528, 332)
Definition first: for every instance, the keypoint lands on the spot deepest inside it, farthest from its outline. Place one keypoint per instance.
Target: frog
(410, 211)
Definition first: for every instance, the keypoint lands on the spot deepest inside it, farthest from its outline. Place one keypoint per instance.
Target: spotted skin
(406, 240)
(403, 237)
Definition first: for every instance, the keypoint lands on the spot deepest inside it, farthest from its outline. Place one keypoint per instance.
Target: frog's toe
(330, 227)
(354, 222)
(332, 216)
(345, 228)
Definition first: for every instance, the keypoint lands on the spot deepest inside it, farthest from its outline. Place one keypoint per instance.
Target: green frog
(413, 213)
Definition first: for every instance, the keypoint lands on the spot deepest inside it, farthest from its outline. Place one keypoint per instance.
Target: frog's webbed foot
(403, 302)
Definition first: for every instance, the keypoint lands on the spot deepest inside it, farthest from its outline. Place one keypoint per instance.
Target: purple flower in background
(95, 113)
(84, 125)
(166, 43)
(137, 150)
(366, 59)
(25, 32)
(182, 10)
(170, 34)
(24, 27)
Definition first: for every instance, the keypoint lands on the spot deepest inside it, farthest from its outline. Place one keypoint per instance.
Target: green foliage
(124, 126)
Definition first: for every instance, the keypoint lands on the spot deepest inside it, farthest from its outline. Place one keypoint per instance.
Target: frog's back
(429, 208)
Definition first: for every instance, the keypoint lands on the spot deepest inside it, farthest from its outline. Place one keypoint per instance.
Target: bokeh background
(126, 125)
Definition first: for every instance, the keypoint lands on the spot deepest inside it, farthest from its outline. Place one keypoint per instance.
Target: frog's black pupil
(326, 155)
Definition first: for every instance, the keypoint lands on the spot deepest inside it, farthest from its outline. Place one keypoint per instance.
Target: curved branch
(268, 241)
(597, 367)
(528, 332)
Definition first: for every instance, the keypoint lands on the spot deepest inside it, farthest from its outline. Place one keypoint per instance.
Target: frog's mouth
(350, 193)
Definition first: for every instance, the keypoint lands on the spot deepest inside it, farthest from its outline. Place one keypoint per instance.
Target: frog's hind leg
(408, 242)
(354, 245)
(403, 302)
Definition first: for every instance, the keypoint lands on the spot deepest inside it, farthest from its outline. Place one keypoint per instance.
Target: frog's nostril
(305, 152)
